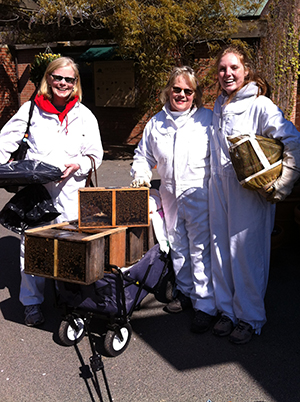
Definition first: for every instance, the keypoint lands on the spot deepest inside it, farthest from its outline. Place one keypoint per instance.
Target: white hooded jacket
(250, 114)
(179, 147)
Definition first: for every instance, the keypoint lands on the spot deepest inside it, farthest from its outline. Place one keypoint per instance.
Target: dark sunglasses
(177, 90)
(58, 78)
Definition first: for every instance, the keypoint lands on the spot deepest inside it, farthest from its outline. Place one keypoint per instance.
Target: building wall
(15, 86)
(26, 87)
(8, 86)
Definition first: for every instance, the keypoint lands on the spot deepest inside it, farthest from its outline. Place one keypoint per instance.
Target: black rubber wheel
(113, 345)
(68, 335)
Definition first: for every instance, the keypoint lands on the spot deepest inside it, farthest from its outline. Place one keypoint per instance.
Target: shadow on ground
(118, 152)
(271, 359)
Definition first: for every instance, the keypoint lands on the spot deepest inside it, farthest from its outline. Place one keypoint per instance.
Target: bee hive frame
(101, 207)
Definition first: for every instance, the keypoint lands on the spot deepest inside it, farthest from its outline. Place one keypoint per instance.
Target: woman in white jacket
(63, 132)
(242, 220)
(176, 140)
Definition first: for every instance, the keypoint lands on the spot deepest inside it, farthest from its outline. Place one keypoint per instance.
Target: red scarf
(44, 104)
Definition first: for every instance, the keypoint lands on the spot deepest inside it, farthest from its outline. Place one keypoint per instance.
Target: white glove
(164, 246)
(140, 182)
(141, 178)
(283, 186)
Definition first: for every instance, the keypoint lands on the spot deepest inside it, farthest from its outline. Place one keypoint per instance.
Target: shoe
(223, 327)
(180, 303)
(242, 333)
(33, 315)
(201, 322)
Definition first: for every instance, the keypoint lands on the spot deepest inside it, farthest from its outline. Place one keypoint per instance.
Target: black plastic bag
(30, 207)
(23, 172)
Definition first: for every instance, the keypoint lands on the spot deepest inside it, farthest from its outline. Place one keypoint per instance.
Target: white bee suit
(242, 220)
(178, 144)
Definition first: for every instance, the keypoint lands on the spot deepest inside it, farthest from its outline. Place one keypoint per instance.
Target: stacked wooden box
(113, 228)
(62, 252)
(125, 206)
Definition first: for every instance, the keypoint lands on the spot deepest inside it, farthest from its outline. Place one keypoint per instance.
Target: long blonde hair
(45, 89)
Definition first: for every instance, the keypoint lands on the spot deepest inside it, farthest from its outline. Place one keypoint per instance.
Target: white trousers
(241, 223)
(187, 225)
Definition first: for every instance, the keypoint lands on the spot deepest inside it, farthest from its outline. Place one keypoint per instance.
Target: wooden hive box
(64, 253)
(104, 207)
(138, 241)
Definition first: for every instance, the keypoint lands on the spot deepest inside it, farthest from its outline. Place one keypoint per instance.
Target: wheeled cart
(114, 299)
(100, 268)
(111, 299)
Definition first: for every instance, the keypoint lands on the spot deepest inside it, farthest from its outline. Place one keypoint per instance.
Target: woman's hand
(70, 169)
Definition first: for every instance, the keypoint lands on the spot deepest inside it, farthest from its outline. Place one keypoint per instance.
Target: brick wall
(26, 87)
(15, 86)
(8, 86)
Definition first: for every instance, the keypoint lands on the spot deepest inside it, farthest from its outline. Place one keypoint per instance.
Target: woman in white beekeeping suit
(63, 133)
(242, 220)
(176, 140)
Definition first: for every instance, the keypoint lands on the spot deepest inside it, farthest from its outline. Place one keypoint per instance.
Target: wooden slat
(117, 249)
(55, 262)
(46, 227)
(114, 217)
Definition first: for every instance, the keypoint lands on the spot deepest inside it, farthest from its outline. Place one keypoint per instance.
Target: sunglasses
(58, 78)
(187, 91)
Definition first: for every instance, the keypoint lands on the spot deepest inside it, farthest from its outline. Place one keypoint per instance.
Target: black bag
(24, 172)
(30, 207)
(20, 153)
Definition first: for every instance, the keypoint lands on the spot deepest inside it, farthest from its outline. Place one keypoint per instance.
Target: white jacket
(179, 147)
(53, 142)
(247, 113)
(57, 144)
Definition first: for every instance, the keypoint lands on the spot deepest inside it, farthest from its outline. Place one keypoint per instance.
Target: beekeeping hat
(257, 160)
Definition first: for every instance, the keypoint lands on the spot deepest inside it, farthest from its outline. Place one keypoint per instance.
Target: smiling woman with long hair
(242, 220)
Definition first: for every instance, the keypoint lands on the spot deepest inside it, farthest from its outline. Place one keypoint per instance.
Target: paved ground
(164, 361)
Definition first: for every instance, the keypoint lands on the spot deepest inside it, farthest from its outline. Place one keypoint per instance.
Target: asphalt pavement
(164, 361)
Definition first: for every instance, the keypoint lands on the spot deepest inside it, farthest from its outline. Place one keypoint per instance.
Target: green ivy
(279, 52)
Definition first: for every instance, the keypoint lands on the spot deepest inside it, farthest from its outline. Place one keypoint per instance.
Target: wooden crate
(104, 207)
(138, 241)
(64, 253)
(135, 239)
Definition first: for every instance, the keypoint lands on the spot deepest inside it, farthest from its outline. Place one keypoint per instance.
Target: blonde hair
(189, 74)
(45, 89)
